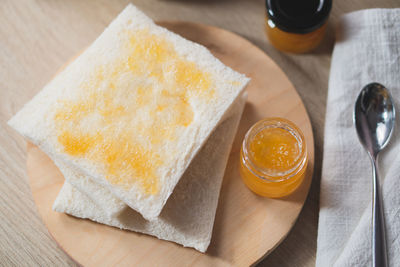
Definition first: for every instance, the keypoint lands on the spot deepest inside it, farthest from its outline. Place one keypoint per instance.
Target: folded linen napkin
(367, 50)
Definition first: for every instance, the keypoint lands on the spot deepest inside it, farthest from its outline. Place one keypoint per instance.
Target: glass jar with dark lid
(296, 26)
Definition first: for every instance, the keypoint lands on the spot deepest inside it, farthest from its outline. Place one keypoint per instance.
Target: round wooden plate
(247, 227)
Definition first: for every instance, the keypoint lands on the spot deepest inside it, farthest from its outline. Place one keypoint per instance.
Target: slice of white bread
(132, 111)
(100, 195)
(189, 213)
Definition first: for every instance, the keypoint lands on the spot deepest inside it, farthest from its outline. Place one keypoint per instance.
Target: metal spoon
(374, 118)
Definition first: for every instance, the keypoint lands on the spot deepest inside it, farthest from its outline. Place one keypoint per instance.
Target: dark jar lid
(298, 16)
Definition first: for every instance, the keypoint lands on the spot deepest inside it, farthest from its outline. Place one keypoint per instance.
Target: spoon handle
(379, 252)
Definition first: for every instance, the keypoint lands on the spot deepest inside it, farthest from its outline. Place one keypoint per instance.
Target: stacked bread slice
(127, 123)
(188, 216)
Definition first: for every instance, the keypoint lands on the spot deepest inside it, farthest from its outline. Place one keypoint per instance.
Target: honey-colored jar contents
(294, 42)
(275, 162)
(274, 149)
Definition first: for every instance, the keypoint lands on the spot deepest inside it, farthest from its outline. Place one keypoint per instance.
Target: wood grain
(247, 227)
(37, 37)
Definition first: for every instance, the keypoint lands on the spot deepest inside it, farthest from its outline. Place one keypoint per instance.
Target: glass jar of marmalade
(296, 26)
(273, 158)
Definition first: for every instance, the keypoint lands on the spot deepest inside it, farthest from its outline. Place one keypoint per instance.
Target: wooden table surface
(38, 37)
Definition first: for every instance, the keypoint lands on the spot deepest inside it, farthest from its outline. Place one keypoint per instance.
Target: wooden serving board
(247, 227)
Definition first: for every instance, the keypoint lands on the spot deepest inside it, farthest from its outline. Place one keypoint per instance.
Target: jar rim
(264, 174)
(301, 24)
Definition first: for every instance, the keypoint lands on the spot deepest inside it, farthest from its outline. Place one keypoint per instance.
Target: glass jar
(296, 26)
(273, 158)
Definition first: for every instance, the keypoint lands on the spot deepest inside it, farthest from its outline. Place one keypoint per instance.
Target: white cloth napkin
(367, 50)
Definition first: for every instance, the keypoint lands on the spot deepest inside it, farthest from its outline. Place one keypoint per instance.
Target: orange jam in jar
(273, 158)
(296, 26)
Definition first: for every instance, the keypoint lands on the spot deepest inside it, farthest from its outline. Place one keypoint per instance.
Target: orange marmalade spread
(273, 158)
(130, 107)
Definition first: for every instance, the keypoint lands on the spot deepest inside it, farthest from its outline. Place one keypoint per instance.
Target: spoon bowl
(374, 117)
